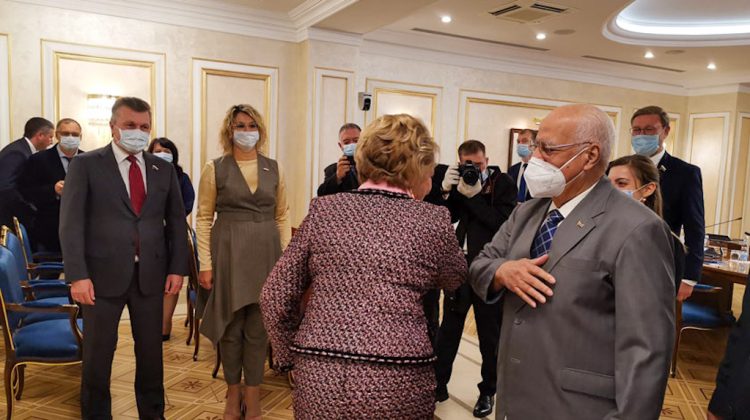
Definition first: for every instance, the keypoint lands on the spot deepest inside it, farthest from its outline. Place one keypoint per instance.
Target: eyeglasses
(251, 126)
(645, 130)
(547, 149)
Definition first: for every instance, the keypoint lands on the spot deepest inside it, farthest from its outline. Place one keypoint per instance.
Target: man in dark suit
(731, 398)
(342, 175)
(43, 180)
(37, 135)
(681, 189)
(123, 232)
(523, 150)
(480, 208)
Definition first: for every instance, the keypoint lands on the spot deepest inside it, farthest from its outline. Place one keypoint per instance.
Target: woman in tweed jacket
(368, 256)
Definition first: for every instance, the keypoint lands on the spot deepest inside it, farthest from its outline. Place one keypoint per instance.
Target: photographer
(342, 175)
(480, 199)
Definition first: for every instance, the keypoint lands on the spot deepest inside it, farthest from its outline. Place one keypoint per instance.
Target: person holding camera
(480, 198)
(342, 175)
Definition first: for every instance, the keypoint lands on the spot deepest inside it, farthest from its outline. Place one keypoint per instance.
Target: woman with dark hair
(165, 148)
(638, 177)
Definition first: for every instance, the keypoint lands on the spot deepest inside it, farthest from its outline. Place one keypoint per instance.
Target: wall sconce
(99, 108)
(537, 121)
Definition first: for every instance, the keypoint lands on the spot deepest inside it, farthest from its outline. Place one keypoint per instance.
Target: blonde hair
(227, 130)
(396, 149)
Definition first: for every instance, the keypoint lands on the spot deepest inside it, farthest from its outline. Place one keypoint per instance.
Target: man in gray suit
(587, 278)
(124, 241)
(37, 135)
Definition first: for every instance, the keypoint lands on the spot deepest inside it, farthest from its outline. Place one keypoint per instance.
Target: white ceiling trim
(313, 11)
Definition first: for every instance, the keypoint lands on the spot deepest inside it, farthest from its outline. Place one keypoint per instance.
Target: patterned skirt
(331, 388)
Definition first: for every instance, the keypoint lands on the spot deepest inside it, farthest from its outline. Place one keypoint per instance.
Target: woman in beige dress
(247, 193)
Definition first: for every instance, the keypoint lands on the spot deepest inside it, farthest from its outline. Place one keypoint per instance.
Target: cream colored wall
(299, 110)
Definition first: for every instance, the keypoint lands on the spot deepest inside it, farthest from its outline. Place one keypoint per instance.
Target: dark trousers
(100, 325)
(431, 304)
(488, 318)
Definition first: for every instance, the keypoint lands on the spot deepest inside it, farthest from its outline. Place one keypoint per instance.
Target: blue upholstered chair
(46, 269)
(38, 332)
(694, 316)
(51, 287)
(38, 257)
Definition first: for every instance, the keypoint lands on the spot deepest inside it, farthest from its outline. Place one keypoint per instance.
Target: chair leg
(196, 333)
(218, 361)
(673, 370)
(8, 382)
(19, 380)
(189, 324)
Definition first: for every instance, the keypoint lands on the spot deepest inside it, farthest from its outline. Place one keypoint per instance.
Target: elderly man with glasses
(587, 278)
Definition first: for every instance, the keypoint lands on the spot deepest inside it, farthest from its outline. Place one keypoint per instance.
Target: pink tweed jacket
(369, 257)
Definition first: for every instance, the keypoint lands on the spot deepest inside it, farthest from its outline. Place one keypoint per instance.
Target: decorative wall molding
(201, 68)
(468, 96)
(6, 131)
(53, 51)
(735, 166)
(378, 86)
(722, 159)
(319, 75)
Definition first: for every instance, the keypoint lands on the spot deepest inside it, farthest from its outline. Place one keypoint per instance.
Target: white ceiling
(276, 6)
(587, 18)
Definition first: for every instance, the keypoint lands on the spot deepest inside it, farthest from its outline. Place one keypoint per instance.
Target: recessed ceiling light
(446, 19)
(711, 66)
(648, 54)
(541, 35)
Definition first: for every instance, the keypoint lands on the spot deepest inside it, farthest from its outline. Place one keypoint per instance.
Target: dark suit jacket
(513, 172)
(329, 185)
(12, 159)
(481, 216)
(682, 193)
(731, 399)
(37, 185)
(99, 229)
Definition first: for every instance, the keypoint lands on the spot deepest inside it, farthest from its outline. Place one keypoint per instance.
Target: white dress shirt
(657, 157)
(63, 158)
(31, 145)
(123, 164)
(568, 207)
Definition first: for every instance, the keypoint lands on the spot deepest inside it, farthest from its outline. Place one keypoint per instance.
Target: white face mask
(246, 140)
(70, 143)
(164, 155)
(545, 180)
(133, 141)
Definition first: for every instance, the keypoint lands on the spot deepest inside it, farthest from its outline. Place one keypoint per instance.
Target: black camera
(469, 172)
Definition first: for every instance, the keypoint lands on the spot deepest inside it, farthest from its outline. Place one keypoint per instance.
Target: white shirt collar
(657, 157)
(121, 155)
(568, 207)
(31, 145)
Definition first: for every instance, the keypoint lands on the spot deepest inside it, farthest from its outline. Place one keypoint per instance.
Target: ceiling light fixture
(540, 36)
(446, 19)
(711, 66)
(648, 54)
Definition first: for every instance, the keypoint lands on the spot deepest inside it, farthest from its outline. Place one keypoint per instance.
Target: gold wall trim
(205, 73)
(9, 86)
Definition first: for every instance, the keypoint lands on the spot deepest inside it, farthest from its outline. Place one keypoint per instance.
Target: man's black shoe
(441, 394)
(483, 406)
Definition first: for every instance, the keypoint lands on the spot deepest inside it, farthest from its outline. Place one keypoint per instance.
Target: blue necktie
(543, 239)
(522, 186)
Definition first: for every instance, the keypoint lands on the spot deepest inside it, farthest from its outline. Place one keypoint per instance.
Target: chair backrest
(11, 241)
(23, 236)
(10, 285)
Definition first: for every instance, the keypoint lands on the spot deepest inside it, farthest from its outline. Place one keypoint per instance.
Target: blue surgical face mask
(630, 193)
(133, 141)
(164, 155)
(349, 149)
(523, 150)
(70, 143)
(645, 144)
(246, 140)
